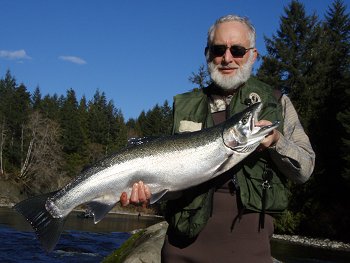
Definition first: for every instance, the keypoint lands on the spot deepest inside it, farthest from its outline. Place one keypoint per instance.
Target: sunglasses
(236, 51)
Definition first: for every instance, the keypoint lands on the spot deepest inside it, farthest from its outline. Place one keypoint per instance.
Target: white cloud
(75, 60)
(14, 55)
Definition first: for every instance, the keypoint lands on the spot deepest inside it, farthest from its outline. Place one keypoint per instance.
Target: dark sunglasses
(236, 51)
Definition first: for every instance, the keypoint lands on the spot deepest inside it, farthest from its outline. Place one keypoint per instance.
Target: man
(229, 219)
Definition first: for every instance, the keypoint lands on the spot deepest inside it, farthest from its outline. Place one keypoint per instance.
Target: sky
(139, 53)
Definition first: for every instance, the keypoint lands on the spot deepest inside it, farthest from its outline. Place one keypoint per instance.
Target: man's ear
(256, 54)
(206, 50)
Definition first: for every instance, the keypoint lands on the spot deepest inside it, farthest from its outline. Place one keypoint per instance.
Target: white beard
(231, 82)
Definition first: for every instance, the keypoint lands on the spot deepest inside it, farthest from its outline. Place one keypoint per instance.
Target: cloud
(14, 55)
(75, 60)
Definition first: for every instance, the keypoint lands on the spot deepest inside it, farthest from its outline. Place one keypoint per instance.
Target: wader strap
(219, 117)
(267, 176)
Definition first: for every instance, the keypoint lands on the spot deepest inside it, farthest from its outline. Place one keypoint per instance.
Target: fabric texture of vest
(262, 186)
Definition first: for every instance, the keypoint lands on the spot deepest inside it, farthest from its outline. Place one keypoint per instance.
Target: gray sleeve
(293, 153)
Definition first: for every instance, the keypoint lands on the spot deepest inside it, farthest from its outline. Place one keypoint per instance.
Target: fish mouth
(257, 133)
(260, 131)
(245, 135)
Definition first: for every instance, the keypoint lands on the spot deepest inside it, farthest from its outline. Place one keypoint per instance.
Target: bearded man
(230, 219)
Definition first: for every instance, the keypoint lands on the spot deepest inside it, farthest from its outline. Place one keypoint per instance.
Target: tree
(14, 110)
(292, 63)
(201, 78)
(120, 134)
(309, 60)
(36, 99)
(156, 122)
(106, 128)
(72, 134)
(43, 161)
(167, 118)
(51, 107)
(98, 124)
(337, 32)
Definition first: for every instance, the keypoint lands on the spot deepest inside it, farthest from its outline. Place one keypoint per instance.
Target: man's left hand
(271, 139)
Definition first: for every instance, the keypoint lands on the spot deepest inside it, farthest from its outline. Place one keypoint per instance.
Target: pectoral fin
(102, 205)
(157, 196)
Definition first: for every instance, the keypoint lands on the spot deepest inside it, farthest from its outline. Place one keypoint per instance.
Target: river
(83, 241)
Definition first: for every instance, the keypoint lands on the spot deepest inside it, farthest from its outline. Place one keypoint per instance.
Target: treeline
(44, 141)
(51, 138)
(309, 59)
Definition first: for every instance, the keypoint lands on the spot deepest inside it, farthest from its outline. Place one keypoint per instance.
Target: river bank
(314, 242)
(294, 239)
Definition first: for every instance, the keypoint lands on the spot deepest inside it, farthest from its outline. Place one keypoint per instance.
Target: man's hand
(271, 139)
(140, 193)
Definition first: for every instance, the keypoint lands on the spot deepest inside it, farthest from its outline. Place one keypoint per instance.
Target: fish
(166, 164)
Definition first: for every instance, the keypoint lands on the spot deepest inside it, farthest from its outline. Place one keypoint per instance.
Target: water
(81, 241)
(294, 253)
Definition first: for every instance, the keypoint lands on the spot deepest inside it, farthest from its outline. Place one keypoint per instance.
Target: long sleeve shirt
(293, 153)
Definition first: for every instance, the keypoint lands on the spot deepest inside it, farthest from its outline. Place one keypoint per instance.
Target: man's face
(229, 71)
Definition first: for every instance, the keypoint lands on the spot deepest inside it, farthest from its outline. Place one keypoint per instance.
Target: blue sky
(139, 53)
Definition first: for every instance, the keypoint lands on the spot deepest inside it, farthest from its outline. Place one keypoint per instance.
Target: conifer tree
(72, 138)
(337, 32)
(83, 120)
(14, 111)
(51, 106)
(72, 134)
(98, 124)
(292, 58)
(36, 99)
(120, 136)
(156, 122)
(309, 61)
(167, 118)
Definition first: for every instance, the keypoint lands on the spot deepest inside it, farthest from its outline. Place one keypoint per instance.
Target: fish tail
(47, 228)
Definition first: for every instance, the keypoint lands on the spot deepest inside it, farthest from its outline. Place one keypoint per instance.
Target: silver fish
(166, 164)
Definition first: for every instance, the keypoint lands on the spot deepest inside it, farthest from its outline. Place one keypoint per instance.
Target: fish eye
(245, 120)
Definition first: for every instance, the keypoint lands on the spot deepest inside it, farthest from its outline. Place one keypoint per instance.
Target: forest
(45, 140)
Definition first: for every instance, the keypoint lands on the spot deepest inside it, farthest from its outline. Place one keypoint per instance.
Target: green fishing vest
(188, 215)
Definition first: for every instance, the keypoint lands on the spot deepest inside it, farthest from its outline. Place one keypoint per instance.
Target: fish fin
(47, 228)
(157, 196)
(102, 205)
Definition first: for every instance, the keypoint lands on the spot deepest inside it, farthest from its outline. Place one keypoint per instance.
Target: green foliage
(119, 255)
(156, 122)
(200, 78)
(86, 131)
(288, 223)
(72, 135)
(14, 109)
(293, 60)
(309, 60)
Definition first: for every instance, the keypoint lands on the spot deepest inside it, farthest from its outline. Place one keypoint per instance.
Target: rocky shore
(314, 242)
(144, 245)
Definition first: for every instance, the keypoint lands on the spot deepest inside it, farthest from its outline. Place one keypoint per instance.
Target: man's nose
(227, 58)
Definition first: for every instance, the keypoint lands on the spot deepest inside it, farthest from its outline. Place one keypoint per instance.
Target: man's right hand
(140, 193)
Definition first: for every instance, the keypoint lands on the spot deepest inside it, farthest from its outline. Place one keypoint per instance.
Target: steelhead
(166, 164)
